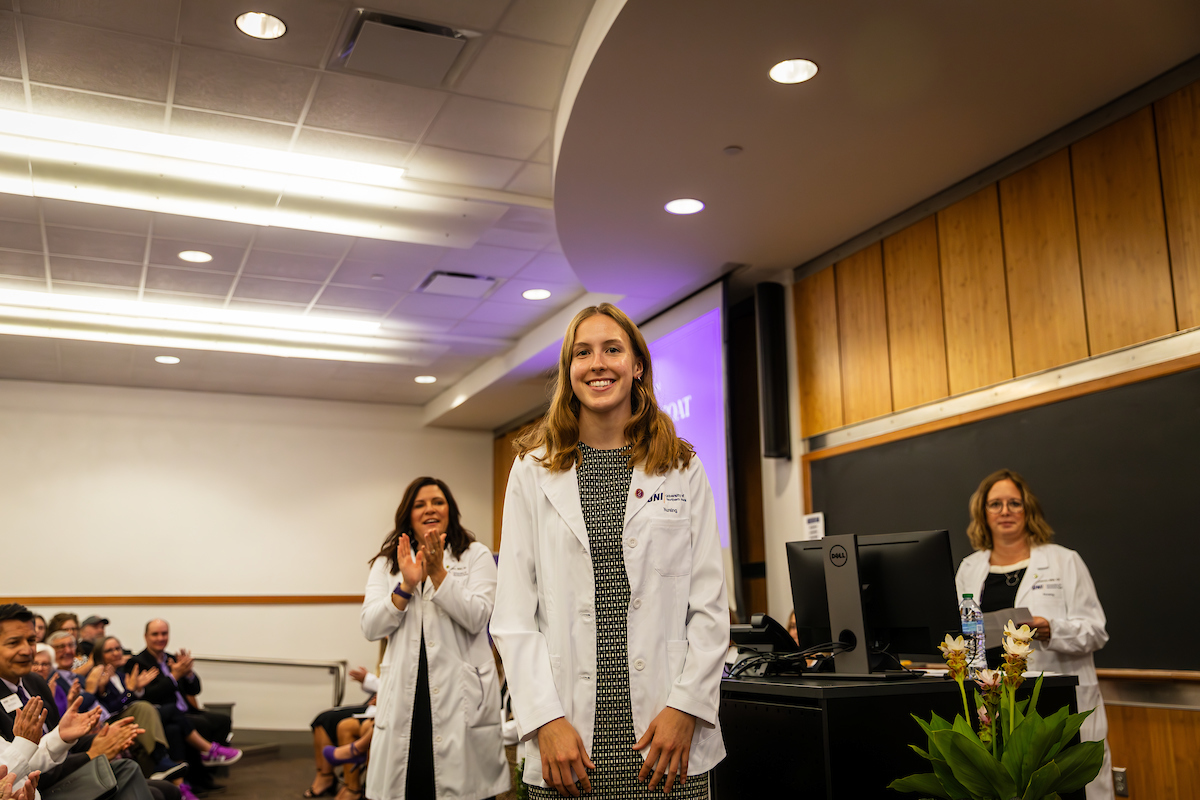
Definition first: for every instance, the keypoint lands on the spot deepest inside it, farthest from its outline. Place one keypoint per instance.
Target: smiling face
(42, 665)
(17, 646)
(112, 652)
(158, 633)
(64, 652)
(431, 512)
(1005, 510)
(603, 367)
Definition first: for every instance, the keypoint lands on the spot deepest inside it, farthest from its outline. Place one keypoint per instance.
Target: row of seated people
(142, 710)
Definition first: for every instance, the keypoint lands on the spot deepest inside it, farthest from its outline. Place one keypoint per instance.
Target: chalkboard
(1118, 476)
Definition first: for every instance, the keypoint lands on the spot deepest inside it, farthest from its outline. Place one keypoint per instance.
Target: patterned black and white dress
(604, 479)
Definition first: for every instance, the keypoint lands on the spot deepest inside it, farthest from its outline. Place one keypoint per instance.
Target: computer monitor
(906, 601)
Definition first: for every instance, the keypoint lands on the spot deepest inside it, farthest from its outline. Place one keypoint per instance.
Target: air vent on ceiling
(398, 49)
(457, 284)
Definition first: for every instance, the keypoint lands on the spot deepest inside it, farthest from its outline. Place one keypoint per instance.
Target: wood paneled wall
(1094, 248)
(1157, 747)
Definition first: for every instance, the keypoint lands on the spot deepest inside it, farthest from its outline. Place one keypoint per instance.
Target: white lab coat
(544, 623)
(464, 693)
(22, 756)
(1058, 586)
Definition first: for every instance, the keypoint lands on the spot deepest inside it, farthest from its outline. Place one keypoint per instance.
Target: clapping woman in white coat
(430, 593)
(1015, 565)
(611, 612)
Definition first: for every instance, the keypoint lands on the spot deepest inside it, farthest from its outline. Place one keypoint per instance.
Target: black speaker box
(770, 309)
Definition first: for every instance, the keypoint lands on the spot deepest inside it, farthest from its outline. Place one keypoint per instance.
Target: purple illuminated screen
(689, 382)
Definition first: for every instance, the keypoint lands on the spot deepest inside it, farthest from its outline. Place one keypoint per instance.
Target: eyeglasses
(996, 506)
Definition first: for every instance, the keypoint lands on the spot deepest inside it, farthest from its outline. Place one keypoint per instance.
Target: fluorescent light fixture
(795, 70)
(167, 359)
(31, 304)
(535, 294)
(260, 25)
(684, 205)
(196, 256)
(425, 379)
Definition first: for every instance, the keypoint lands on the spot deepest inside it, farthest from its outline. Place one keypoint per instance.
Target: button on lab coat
(1058, 586)
(678, 615)
(464, 693)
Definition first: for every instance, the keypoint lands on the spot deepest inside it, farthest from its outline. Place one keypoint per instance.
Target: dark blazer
(114, 701)
(161, 691)
(78, 756)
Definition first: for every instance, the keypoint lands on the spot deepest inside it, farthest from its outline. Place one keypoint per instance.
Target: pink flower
(985, 719)
(989, 679)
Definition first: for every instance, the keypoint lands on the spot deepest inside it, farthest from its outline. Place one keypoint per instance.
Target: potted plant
(1016, 752)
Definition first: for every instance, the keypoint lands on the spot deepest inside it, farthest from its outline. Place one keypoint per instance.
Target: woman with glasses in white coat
(430, 593)
(1015, 565)
(611, 613)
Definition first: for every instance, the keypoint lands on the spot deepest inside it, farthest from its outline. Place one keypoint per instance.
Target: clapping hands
(182, 666)
(114, 738)
(27, 792)
(74, 724)
(136, 680)
(29, 720)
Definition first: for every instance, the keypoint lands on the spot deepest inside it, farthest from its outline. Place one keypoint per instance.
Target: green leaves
(926, 783)
(1079, 766)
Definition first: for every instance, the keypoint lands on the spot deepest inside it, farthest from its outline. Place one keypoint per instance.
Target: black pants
(130, 783)
(419, 783)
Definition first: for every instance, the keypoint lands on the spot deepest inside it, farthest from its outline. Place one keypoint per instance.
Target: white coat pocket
(676, 655)
(670, 547)
(481, 695)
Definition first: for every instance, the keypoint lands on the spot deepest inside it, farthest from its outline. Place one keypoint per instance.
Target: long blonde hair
(650, 431)
(1036, 527)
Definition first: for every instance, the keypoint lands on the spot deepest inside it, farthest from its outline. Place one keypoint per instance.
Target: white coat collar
(562, 490)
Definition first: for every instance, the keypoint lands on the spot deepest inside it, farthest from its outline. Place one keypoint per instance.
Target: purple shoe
(355, 756)
(185, 792)
(221, 756)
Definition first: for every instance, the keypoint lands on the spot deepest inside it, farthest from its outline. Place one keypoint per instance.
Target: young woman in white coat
(611, 613)
(430, 593)
(1016, 566)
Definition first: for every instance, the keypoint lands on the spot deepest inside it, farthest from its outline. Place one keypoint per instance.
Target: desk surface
(808, 686)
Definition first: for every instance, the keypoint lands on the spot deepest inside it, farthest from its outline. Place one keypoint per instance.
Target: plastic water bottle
(972, 631)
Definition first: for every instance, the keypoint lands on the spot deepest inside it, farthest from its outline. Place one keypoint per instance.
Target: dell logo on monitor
(837, 554)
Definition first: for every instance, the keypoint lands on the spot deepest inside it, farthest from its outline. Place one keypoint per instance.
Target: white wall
(115, 491)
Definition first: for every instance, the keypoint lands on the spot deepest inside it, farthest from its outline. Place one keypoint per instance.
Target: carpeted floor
(267, 778)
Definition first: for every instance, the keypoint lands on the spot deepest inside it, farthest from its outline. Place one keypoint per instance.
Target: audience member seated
(17, 648)
(90, 630)
(43, 665)
(63, 644)
(39, 627)
(339, 725)
(175, 684)
(353, 755)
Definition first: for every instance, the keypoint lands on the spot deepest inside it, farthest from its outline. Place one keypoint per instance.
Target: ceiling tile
(311, 25)
(352, 148)
(289, 265)
(552, 267)
(10, 60)
(27, 284)
(489, 330)
(432, 305)
(517, 71)
(27, 348)
(73, 242)
(24, 265)
(527, 228)
(153, 18)
(189, 281)
(405, 322)
(82, 270)
(455, 166)
(174, 299)
(376, 108)
(21, 236)
(509, 313)
(277, 291)
(91, 290)
(14, 206)
(320, 311)
(397, 277)
(213, 231)
(533, 180)
(12, 95)
(268, 308)
(97, 217)
(402, 254)
(495, 262)
(542, 154)
(97, 108)
(484, 126)
(479, 15)
(512, 290)
(365, 299)
(556, 21)
(289, 240)
(217, 81)
(165, 252)
(85, 58)
(234, 130)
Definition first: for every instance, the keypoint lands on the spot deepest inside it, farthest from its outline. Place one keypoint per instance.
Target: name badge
(11, 703)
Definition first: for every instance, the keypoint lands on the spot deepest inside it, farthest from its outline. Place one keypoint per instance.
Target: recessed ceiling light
(535, 294)
(796, 70)
(377, 277)
(167, 359)
(684, 205)
(425, 379)
(196, 256)
(260, 25)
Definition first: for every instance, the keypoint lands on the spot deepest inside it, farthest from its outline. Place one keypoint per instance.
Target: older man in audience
(176, 683)
(90, 630)
(17, 681)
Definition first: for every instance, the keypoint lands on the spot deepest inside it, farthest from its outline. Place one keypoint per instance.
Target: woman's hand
(411, 570)
(114, 738)
(433, 547)
(669, 738)
(359, 674)
(1041, 628)
(27, 792)
(74, 692)
(563, 753)
(136, 680)
(73, 724)
(29, 720)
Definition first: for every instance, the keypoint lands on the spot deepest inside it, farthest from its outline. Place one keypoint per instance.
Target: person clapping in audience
(340, 726)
